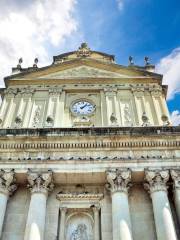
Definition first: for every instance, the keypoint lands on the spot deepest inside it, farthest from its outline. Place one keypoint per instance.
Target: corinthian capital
(175, 174)
(156, 180)
(118, 180)
(7, 182)
(40, 182)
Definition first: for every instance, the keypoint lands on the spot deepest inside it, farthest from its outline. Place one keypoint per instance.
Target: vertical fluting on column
(175, 174)
(28, 95)
(62, 223)
(96, 222)
(39, 184)
(156, 185)
(7, 187)
(118, 183)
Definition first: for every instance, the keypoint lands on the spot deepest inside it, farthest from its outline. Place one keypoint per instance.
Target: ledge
(92, 131)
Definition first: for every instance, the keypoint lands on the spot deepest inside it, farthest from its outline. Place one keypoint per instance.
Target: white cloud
(120, 4)
(169, 66)
(29, 29)
(175, 117)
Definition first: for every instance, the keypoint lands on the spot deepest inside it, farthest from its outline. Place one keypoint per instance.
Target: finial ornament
(118, 180)
(20, 61)
(131, 62)
(84, 50)
(35, 63)
(146, 59)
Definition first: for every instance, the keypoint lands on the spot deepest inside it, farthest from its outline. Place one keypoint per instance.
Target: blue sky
(43, 28)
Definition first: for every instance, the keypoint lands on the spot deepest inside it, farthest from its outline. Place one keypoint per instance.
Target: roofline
(69, 53)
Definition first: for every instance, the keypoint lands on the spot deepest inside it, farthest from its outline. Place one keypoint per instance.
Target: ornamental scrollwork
(40, 182)
(7, 182)
(175, 174)
(118, 180)
(155, 180)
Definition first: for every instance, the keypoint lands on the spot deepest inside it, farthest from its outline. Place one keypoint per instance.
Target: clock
(82, 107)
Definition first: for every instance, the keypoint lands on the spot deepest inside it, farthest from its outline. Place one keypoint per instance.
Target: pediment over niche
(83, 72)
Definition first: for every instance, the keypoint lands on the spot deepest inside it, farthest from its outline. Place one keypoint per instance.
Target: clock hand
(83, 106)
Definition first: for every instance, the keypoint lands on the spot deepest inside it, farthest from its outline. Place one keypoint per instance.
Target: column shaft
(177, 202)
(163, 217)
(62, 224)
(157, 186)
(96, 223)
(36, 217)
(121, 217)
(3, 203)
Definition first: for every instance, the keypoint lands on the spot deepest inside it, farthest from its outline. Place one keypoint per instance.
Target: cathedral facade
(88, 152)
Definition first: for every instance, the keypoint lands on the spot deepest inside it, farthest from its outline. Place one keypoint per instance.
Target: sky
(44, 28)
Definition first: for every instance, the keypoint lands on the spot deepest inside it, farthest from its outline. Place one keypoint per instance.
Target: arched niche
(79, 226)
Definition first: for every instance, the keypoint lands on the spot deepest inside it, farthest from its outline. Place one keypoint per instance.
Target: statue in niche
(145, 120)
(37, 116)
(80, 233)
(127, 115)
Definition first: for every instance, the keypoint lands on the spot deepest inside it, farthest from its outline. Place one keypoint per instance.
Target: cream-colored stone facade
(87, 152)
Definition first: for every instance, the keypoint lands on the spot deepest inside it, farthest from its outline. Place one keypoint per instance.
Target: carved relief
(113, 120)
(10, 91)
(79, 227)
(37, 117)
(40, 182)
(127, 115)
(175, 174)
(18, 121)
(55, 91)
(118, 180)
(83, 71)
(80, 233)
(7, 182)
(156, 180)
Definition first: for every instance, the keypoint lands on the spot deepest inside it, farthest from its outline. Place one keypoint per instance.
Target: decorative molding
(175, 174)
(40, 182)
(55, 91)
(79, 197)
(91, 144)
(156, 180)
(118, 180)
(10, 92)
(7, 182)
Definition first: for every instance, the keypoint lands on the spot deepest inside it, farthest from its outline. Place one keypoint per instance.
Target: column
(59, 112)
(39, 184)
(28, 93)
(10, 99)
(112, 109)
(62, 223)
(2, 109)
(7, 187)
(175, 174)
(138, 93)
(103, 109)
(118, 183)
(156, 185)
(96, 222)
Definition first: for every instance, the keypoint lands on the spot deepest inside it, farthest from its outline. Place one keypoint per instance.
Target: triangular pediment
(83, 69)
(83, 72)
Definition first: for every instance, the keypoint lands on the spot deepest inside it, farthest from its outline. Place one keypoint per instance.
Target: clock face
(83, 107)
